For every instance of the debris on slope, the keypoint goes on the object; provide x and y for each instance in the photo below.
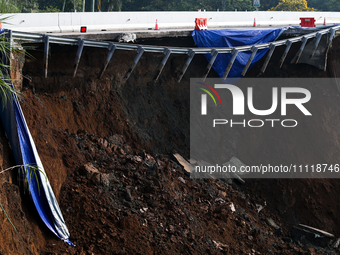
(120, 201)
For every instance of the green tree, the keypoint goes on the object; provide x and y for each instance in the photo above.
(14, 6)
(8, 6)
(28, 6)
(112, 5)
(325, 5)
(268, 4)
(60, 5)
(187, 5)
(242, 5)
(292, 5)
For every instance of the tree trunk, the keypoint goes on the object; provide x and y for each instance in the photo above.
(64, 6)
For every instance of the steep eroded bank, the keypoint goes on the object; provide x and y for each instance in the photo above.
(91, 135)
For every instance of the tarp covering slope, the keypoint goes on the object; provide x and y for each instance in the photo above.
(25, 153)
(232, 38)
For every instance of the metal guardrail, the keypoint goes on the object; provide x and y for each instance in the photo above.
(191, 52)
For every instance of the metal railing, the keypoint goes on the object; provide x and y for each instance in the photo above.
(191, 52)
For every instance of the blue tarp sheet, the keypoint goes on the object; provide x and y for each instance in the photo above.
(25, 153)
(232, 38)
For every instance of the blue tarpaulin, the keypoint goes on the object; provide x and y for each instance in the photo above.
(232, 38)
(25, 153)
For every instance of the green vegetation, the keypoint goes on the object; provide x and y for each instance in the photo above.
(12, 6)
(7, 6)
(300, 5)
(6, 91)
(292, 5)
(325, 5)
(124, 5)
(30, 169)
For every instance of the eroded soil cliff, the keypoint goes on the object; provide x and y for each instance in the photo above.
(106, 146)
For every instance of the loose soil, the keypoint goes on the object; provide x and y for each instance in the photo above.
(107, 149)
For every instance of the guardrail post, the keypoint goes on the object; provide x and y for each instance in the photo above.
(214, 54)
(270, 54)
(231, 62)
(330, 38)
(167, 53)
(80, 50)
(254, 51)
(140, 52)
(318, 38)
(191, 54)
(298, 54)
(112, 49)
(46, 52)
(285, 53)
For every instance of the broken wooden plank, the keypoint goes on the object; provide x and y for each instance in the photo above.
(313, 235)
(182, 162)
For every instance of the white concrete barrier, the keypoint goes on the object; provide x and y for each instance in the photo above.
(101, 21)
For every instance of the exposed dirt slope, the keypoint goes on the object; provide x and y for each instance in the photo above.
(105, 146)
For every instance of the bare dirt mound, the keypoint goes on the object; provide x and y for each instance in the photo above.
(106, 147)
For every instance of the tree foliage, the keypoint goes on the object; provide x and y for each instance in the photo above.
(268, 4)
(60, 5)
(13, 6)
(325, 5)
(7, 6)
(188, 5)
(112, 5)
(125, 5)
(292, 5)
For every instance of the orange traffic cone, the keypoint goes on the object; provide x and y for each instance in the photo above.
(254, 23)
(156, 26)
(324, 21)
